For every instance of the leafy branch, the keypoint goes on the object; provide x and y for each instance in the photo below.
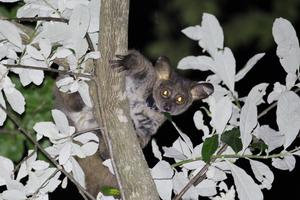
(45, 153)
(200, 176)
(65, 72)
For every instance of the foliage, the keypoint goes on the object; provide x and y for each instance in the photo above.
(66, 36)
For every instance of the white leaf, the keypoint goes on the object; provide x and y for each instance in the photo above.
(15, 99)
(216, 174)
(290, 80)
(202, 63)
(221, 116)
(65, 153)
(193, 32)
(155, 150)
(248, 121)
(287, 163)
(86, 137)
(212, 34)
(256, 94)
(55, 32)
(6, 170)
(40, 165)
(262, 173)
(271, 137)
(94, 7)
(64, 183)
(13, 195)
(288, 116)
(90, 148)
(2, 112)
(199, 122)
(78, 172)
(34, 53)
(297, 153)
(207, 188)
(247, 189)
(9, 1)
(61, 121)
(172, 152)
(225, 67)
(180, 181)
(47, 129)
(83, 90)
(195, 165)
(108, 164)
(186, 139)
(162, 170)
(288, 49)
(162, 174)
(11, 33)
(80, 20)
(92, 55)
(249, 65)
(45, 46)
(277, 91)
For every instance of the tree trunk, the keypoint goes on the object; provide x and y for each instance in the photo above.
(112, 110)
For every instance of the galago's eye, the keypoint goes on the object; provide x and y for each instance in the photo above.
(180, 100)
(165, 93)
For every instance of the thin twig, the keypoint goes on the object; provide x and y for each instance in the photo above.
(85, 131)
(35, 19)
(45, 153)
(48, 70)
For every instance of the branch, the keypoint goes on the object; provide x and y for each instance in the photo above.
(49, 70)
(85, 131)
(45, 153)
(131, 169)
(48, 19)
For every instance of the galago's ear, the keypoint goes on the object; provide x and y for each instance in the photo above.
(201, 90)
(163, 68)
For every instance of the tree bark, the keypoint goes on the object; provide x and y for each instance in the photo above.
(112, 110)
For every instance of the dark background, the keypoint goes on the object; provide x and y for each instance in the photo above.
(155, 29)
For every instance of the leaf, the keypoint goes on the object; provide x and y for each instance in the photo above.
(288, 49)
(288, 116)
(207, 188)
(247, 189)
(15, 99)
(259, 145)
(248, 121)
(83, 90)
(273, 139)
(155, 150)
(212, 34)
(199, 122)
(179, 181)
(45, 47)
(262, 173)
(9, 31)
(65, 153)
(249, 65)
(193, 32)
(287, 163)
(202, 63)
(110, 191)
(61, 121)
(34, 53)
(162, 174)
(225, 67)
(256, 94)
(90, 148)
(232, 139)
(13, 195)
(108, 164)
(6, 170)
(222, 113)
(80, 20)
(78, 172)
(9, 1)
(278, 89)
(86, 137)
(210, 146)
(2, 112)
